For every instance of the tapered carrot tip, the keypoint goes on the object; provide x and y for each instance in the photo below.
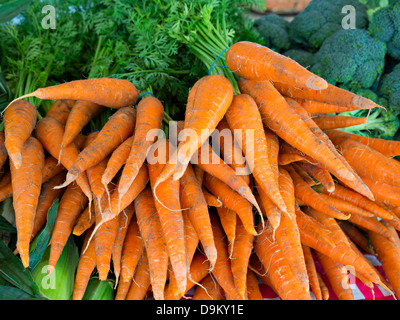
(69, 178)
(331, 188)
(103, 272)
(24, 258)
(316, 83)
(16, 159)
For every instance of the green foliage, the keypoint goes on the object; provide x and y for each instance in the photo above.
(389, 87)
(351, 59)
(321, 19)
(303, 57)
(385, 25)
(274, 30)
(99, 290)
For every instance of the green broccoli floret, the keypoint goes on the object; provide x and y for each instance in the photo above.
(322, 18)
(274, 30)
(301, 56)
(385, 25)
(389, 87)
(351, 59)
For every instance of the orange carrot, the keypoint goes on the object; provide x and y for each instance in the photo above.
(211, 200)
(72, 203)
(153, 239)
(384, 192)
(331, 95)
(3, 151)
(19, 122)
(123, 223)
(131, 251)
(271, 210)
(312, 198)
(26, 185)
(257, 267)
(117, 159)
(211, 99)
(253, 289)
(83, 222)
(243, 115)
(228, 219)
(320, 174)
(232, 200)
(6, 191)
(329, 122)
(286, 123)
(60, 110)
(118, 128)
(222, 270)
(109, 92)
(388, 254)
(241, 250)
(312, 272)
(209, 289)
(372, 224)
(356, 236)
(337, 276)
(273, 147)
(192, 197)
(388, 148)
(324, 288)
(86, 265)
(150, 112)
(345, 206)
(141, 280)
(51, 168)
(46, 199)
(122, 290)
(304, 175)
(253, 61)
(316, 107)
(50, 132)
(288, 158)
(80, 115)
(284, 281)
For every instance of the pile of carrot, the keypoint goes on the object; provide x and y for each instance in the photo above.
(212, 212)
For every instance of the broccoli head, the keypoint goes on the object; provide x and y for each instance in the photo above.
(389, 87)
(351, 59)
(274, 31)
(301, 56)
(322, 18)
(385, 25)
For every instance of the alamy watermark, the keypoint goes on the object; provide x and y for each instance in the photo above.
(349, 20)
(49, 20)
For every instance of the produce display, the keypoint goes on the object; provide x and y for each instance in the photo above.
(177, 150)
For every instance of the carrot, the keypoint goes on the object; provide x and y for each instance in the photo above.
(46, 199)
(122, 290)
(131, 251)
(312, 272)
(341, 192)
(123, 223)
(384, 192)
(241, 250)
(257, 267)
(83, 222)
(211, 200)
(253, 61)
(337, 276)
(72, 203)
(253, 289)
(329, 122)
(288, 158)
(273, 147)
(26, 185)
(6, 191)
(19, 121)
(50, 132)
(198, 271)
(388, 254)
(388, 148)
(80, 115)
(287, 124)
(345, 206)
(356, 236)
(222, 270)
(210, 162)
(312, 198)
(324, 288)
(150, 112)
(372, 224)
(60, 110)
(3, 151)
(109, 92)
(272, 212)
(211, 99)
(86, 265)
(284, 281)
(117, 159)
(232, 200)
(316, 107)
(228, 219)
(304, 175)
(287, 233)
(243, 115)
(141, 280)
(192, 197)
(322, 175)
(153, 240)
(209, 289)
(117, 129)
(331, 95)
(369, 162)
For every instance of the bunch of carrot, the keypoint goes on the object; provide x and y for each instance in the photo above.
(209, 209)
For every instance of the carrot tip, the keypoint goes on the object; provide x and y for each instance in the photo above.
(316, 83)
(16, 159)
